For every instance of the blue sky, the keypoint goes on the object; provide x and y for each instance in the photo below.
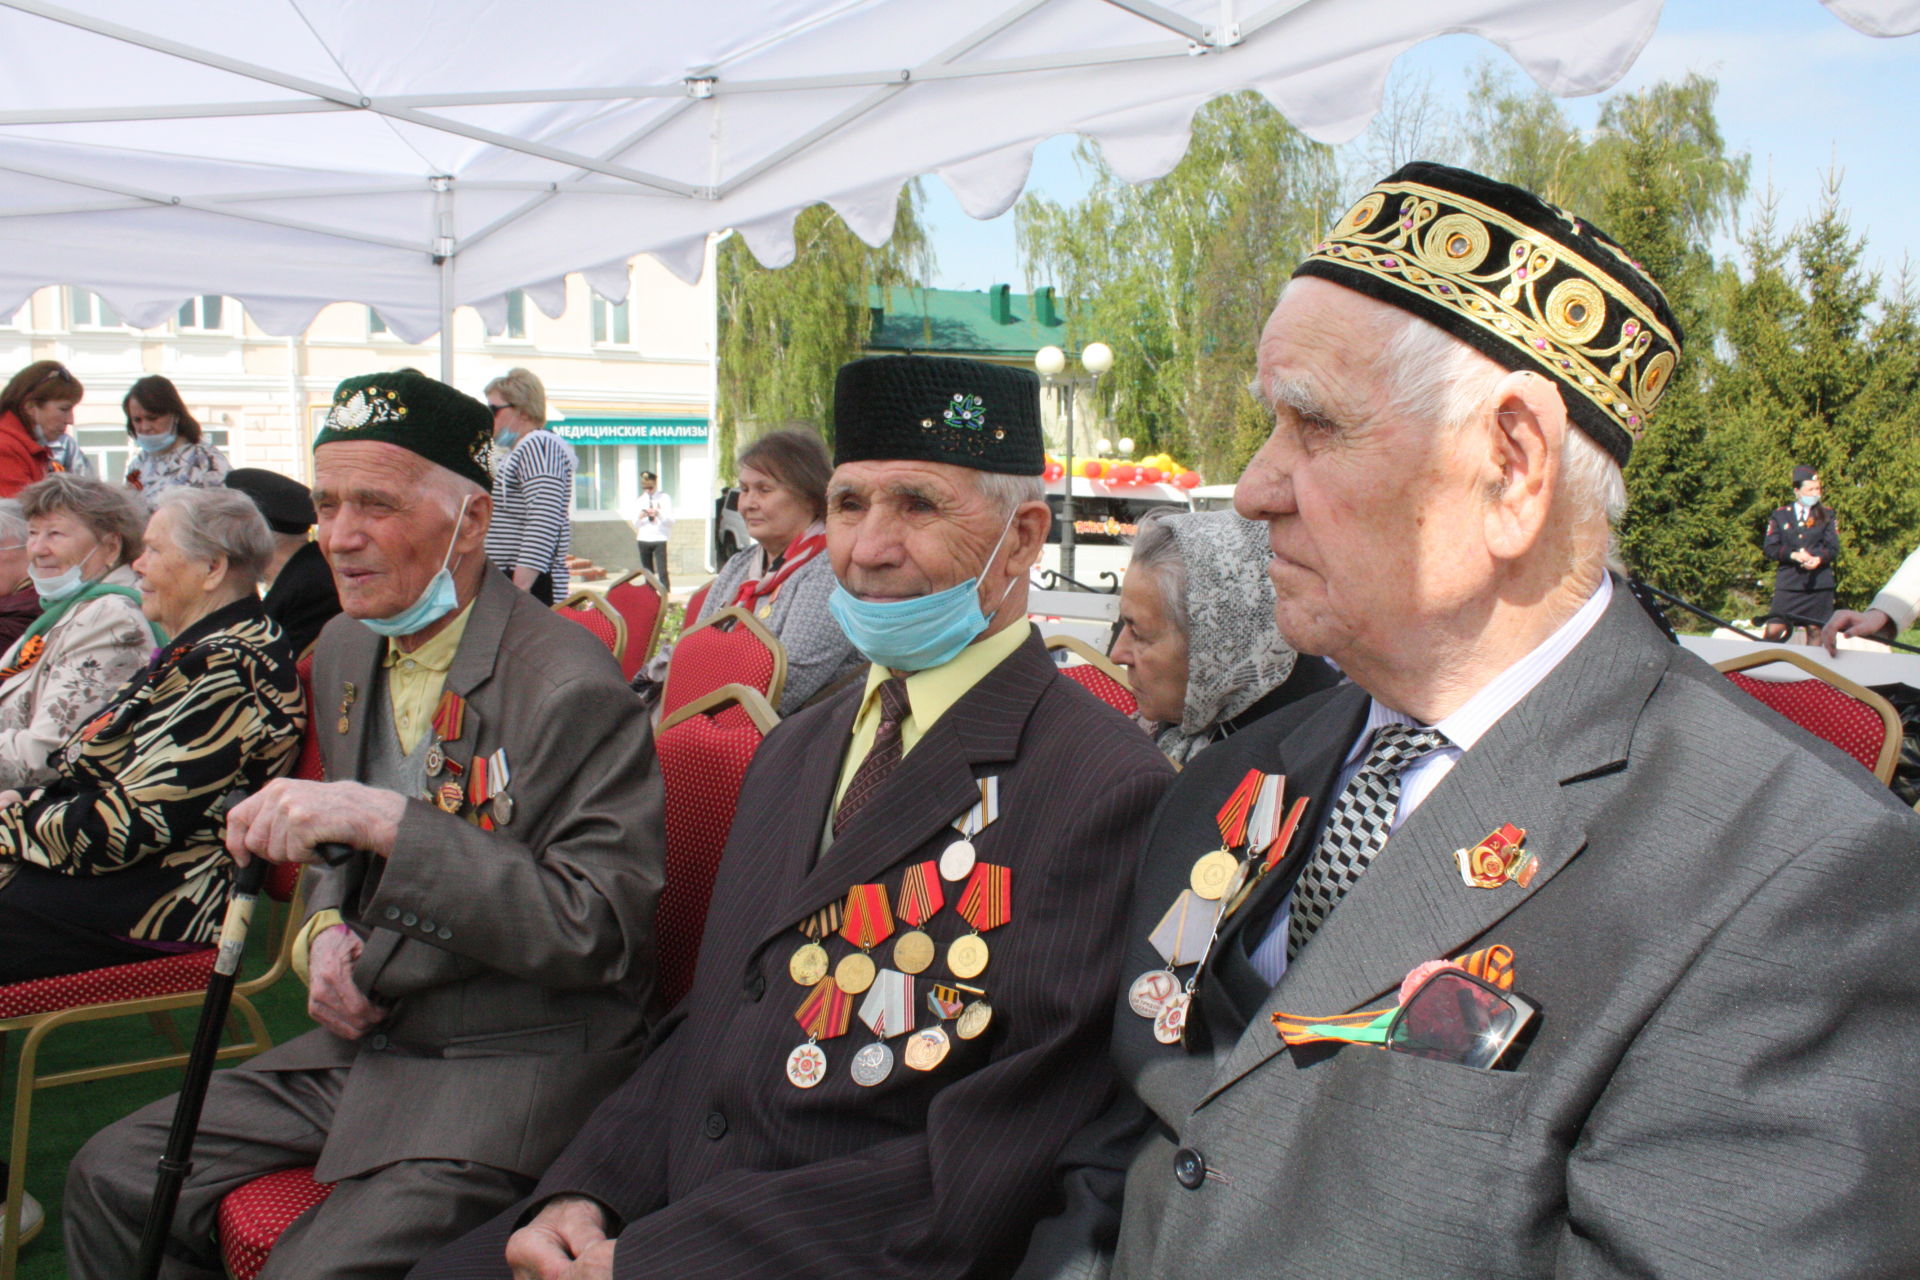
(1800, 92)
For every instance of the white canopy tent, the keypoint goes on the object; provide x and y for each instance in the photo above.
(416, 155)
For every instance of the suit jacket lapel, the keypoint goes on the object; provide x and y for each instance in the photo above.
(1411, 904)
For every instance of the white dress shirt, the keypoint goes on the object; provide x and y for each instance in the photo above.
(1463, 729)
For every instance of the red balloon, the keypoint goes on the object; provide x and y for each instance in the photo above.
(1125, 473)
(1150, 475)
(1053, 472)
(1187, 480)
(1095, 470)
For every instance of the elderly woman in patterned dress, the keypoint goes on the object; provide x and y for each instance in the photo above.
(120, 857)
(1197, 634)
(90, 636)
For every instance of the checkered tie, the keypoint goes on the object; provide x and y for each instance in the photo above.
(881, 757)
(1361, 820)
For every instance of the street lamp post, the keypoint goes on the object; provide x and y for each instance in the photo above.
(1051, 362)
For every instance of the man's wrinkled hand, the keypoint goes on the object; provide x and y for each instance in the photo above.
(567, 1240)
(284, 820)
(333, 999)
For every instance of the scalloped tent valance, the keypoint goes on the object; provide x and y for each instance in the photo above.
(415, 154)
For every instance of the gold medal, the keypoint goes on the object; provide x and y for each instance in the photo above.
(854, 973)
(450, 796)
(346, 701)
(1212, 874)
(808, 965)
(973, 1020)
(926, 1049)
(913, 952)
(967, 957)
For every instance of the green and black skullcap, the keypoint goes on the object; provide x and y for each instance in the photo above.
(933, 409)
(420, 414)
(1530, 286)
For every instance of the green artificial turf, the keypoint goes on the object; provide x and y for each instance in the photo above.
(66, 1117)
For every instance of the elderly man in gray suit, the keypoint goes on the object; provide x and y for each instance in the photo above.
(481, 967)
(1631, 989)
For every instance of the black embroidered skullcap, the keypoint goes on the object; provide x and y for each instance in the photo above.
(1530, 286)
(285, 502)
(933, 409)
(420, 414)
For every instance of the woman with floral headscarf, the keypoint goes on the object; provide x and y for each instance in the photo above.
(1197, 632)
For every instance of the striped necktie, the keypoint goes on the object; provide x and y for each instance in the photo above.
(881, 757)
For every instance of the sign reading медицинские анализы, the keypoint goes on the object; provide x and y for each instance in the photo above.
(631, 428)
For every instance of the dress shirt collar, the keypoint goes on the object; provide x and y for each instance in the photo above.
(437, 653)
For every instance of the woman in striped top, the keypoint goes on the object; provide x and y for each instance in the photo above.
(532, 529)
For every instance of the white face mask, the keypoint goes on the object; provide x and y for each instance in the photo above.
(52, 588)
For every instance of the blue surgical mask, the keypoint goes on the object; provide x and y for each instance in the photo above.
(1805, 500)
(918, 634)
(506, 439)
(52, 588)
(436, 602)
(160, 443)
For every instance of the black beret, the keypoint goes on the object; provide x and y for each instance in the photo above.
(930, 409)
(407, 408)
(285, 502)
(1530, 286)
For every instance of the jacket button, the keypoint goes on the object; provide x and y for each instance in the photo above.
(756, 987)
(1189, 1168)
(409, 919)
(393, 913)
(716, 1125)
(428, 926)
(445, 933)
(378, 1040)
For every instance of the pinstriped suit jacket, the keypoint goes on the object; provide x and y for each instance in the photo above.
(1721, 938)
(717, 1166)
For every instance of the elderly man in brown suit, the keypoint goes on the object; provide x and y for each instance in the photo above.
(901, 1005)
(481, 967)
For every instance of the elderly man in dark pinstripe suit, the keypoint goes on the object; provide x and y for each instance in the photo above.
(903, 995)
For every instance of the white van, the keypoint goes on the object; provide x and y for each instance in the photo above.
(1213, 497)
(1105, 518)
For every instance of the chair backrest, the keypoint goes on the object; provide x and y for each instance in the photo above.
(638, 599)
(1826, 704)
(704, 749)
(597, 616)
(694, 601)
(730, 647)
(1096, 672)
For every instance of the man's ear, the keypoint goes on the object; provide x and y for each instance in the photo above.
(1526, 440)
(473, 525)
(1028, 536)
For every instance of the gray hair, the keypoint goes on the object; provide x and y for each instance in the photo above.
(217, 524)
(1157, 551)
(1005, 493)
(105, 510)
(13, 523)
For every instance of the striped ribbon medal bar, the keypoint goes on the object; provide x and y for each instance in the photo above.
(921, 898)
(957, 862)
(986, 903)
(888, 1011)
(825, 1013)
(809, 964)
(449, 719)
(868, 924)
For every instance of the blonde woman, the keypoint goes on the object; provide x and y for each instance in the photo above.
(532, 529)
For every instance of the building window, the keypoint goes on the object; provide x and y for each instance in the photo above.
(202, 313)
(88, 310)
(516, 313)
(610, 327)
(375, 325)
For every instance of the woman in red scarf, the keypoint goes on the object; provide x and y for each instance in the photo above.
(36, 405)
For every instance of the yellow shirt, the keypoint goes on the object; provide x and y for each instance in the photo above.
(930, 694)
(415, 678)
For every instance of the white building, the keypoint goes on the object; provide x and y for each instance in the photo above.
(629, 385)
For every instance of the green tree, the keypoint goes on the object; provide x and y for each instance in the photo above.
(784, 331)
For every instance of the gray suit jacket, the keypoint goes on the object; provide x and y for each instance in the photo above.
(518, 961)
(1721, 939)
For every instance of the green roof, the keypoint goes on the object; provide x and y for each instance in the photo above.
(996, 322)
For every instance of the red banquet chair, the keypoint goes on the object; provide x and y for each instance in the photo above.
(1826, 704)
(1099, 674)
(638, 599)
(730, 647)
(599, 617)
(704, 749)
(694, 601)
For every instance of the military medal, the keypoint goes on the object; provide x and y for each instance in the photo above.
(926, 1048)
(868, 923)
(872, 1064)
(346, 701)
(1170, 1024)
(929, 1046)
(986, 903)
(825, 1013)
(478, 790)
(956, 864)
(920, 900)
(1151, 991)
(973, 1019)
(448, 797)
(498, 776)
(1182, 937)
(449, 718)
(1212, 873)
(809, 964)
(1500, 858)
(888, 1010)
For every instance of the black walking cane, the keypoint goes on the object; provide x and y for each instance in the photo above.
(177, 1163)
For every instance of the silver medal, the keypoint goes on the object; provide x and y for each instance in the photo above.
(872, 1064)
(1151, 991)
(957, 862)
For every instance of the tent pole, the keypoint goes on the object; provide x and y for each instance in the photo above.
(444, 249)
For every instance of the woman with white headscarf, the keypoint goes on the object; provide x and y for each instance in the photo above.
(1197, 632)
